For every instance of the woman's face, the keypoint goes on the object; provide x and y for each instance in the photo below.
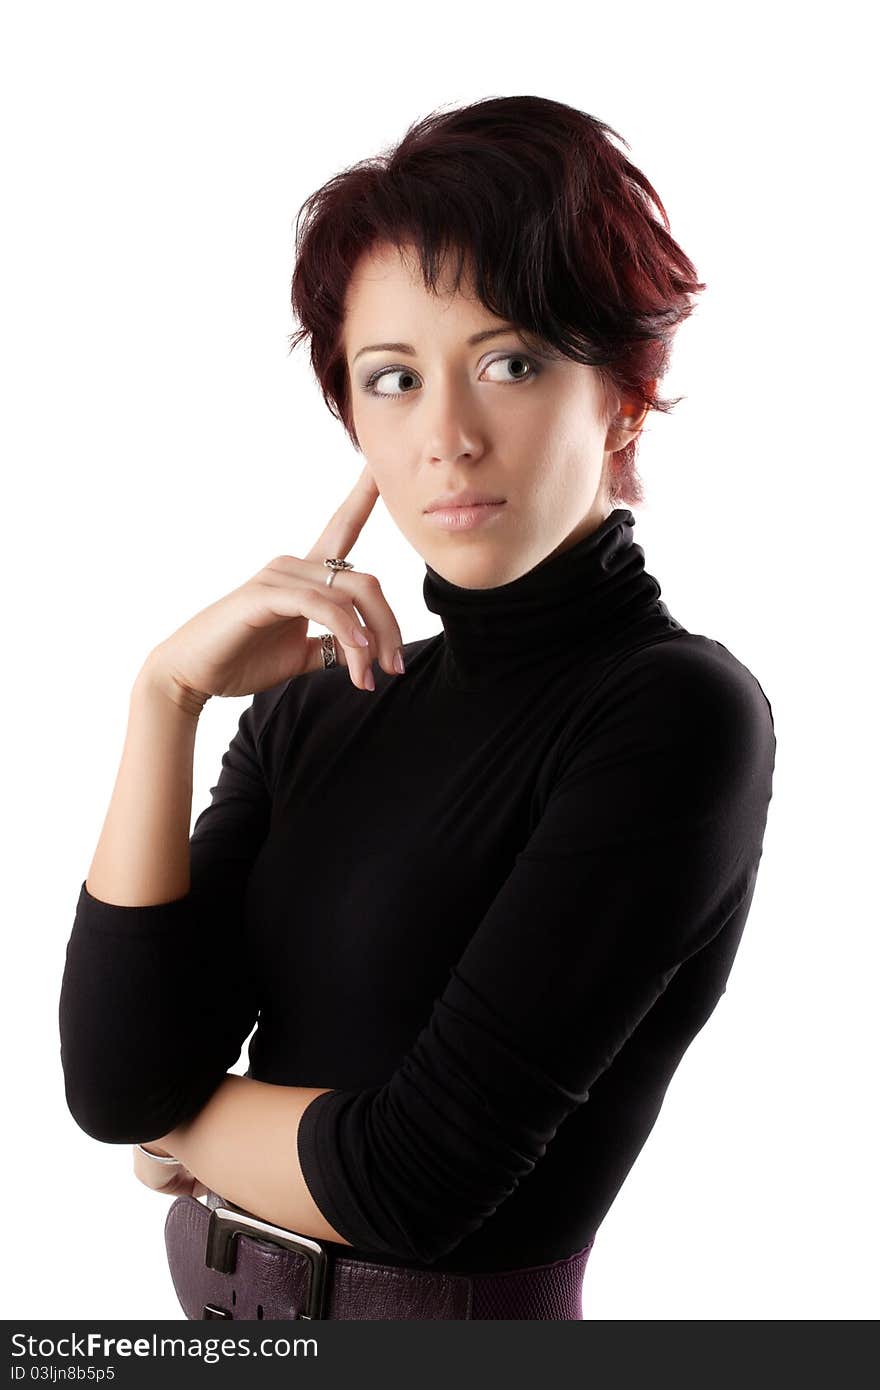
(492, 416)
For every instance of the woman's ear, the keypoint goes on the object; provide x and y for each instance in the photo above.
(627, 422)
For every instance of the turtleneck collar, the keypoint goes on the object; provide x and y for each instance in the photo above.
(565, 609)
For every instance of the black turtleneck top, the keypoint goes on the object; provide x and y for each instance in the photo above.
(490, 904)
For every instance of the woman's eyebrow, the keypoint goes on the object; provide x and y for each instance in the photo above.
(408, 347)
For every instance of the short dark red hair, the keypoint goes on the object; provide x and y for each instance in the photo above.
(559, 230)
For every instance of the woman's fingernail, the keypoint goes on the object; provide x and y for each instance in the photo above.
(399, 665)
(368, 679)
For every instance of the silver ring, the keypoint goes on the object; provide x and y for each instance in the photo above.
(157, 1158)
(333, 566)
(328, 650)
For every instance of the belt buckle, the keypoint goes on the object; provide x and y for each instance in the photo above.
(227, 1223)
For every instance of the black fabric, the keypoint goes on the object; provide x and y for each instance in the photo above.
(489, 904)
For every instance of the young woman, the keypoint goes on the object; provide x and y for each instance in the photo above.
(478, 900)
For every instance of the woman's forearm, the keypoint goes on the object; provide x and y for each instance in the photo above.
(142, 856)
(243, 1145)
(243, 1142)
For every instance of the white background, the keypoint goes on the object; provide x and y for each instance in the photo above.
(160, 446)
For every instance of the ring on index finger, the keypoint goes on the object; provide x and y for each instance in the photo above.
(333, 566)
(328, 643)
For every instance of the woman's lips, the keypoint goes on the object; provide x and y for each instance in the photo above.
(464, 518)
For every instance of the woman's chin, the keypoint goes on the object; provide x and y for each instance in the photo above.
(475, 567)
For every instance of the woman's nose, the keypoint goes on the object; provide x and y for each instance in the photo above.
(451, 422)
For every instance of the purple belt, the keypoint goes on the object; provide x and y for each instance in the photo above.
(226, 1263)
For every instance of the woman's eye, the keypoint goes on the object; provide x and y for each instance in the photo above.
(515, 360)
(520, 367)
(403, 372)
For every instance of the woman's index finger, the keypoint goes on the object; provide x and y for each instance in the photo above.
(347, 522)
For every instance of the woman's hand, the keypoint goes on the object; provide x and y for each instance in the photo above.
(255, 637)
(162, 1177)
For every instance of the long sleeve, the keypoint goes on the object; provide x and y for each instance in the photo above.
(646, 842)
(157, 1001)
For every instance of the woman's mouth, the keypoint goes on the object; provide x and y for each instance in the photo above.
(465, 518)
